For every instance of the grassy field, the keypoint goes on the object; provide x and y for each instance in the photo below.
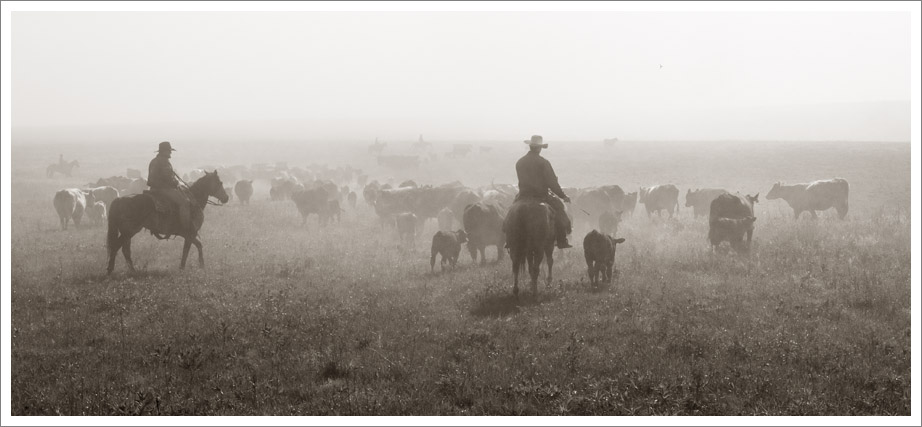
(291, 320)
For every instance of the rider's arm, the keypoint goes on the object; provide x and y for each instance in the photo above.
(551, 178)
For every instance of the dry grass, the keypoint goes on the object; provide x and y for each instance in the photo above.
(336, 321)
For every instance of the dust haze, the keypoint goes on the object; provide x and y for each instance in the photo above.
(308, 76)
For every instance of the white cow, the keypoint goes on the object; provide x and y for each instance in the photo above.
(70, 204)
(97, 212)
(105, 194)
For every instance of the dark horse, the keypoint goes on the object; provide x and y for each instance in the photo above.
(131, 213)
(65, 169)
(529, 231)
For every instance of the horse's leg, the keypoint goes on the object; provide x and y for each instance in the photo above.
(113, 252)
(201, 256)
(516, 263)
(126, 251)
(534, 266)
(589, 271)
(550, 265)
(483, 255)
(187, 243)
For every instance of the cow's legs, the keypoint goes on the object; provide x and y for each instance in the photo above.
(842, 210)
(63, 220)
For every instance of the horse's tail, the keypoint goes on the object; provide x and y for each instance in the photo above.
(112, 235)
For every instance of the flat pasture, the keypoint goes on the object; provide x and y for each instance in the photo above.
(342, 320)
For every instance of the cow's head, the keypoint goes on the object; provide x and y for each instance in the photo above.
(753, 199)
(89, 196)
(775, 192)
(690, 197)
(462, 236)
(642, 194)
(748, 222)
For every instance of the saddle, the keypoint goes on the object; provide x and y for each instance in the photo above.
(167, 214)
(519, 200)
(161, 203)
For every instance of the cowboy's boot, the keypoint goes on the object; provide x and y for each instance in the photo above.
(562, 240)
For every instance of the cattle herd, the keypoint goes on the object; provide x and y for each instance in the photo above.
(472, 216)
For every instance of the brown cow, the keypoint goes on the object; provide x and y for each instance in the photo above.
(484, 226)
(244, 190)
(731, 218)
(313, 201)
(448, 245)
(700, 200)
(629, 203)
(406, 227)
(599, 250)
(812, 197)
(660, 197)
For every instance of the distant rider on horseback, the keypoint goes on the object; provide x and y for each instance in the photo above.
(536, 177)
(162, 181)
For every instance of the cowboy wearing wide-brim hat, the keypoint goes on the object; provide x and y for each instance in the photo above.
(162, 181)
(536, 178)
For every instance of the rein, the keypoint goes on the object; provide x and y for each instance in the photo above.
(207, 197)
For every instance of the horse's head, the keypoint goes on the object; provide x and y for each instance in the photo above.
(212, 186)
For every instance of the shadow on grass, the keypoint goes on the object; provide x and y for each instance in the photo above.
(505, 304)
(100, 277)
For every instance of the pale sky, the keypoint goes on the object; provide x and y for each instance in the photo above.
(470, 75)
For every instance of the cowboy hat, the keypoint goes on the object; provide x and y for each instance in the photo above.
(536, 141)
(165, 146)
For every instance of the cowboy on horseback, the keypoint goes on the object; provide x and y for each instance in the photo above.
(536, 178)
(162, 181)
